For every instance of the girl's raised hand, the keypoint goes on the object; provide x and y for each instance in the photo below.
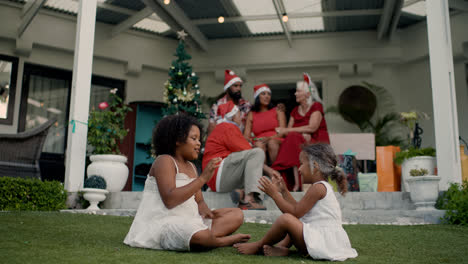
(268, 187)
(279, 182)
(209, 169)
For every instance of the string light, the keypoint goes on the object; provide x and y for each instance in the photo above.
(285, 17)
(221, 19)
(166, 2)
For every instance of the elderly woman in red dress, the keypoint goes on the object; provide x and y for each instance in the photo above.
(262, 121)
(306, 125)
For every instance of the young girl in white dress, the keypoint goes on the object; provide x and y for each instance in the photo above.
(313, 224)
(172, 214)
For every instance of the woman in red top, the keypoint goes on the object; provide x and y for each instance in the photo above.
(306, 124)
(262, 121)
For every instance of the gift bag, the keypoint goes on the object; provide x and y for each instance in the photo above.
(349, 165)
(367, 182)
(388, 173)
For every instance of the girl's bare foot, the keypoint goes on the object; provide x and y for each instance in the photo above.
(275, 251)
(248, 248)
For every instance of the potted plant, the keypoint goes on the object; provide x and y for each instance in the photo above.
(424, 188)
(94, 191)
(105, 131)
(414, 157)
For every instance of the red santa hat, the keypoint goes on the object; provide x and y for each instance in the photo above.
(312, 88)
(258, 89)
(230, 78)
(227, 111)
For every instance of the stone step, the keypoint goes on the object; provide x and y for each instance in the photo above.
(352, 200)
(371, 217)
(379, 217)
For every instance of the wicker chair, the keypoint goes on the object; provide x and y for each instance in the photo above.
(19, 153)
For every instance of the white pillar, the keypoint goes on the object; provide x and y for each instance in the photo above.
(81, 88)
(443, 92)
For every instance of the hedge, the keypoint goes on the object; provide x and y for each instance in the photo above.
(31, 195)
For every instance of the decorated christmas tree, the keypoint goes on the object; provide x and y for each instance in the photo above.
(182, 92)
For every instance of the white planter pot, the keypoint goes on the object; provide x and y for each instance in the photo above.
(420, 162)
(424, 191)
(94, 196)
(112, 168)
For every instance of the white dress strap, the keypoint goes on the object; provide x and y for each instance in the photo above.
(175, 163)
(194, 169)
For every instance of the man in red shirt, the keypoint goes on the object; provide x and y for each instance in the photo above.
(242, 165)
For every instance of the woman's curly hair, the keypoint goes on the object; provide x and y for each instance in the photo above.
(172, 129)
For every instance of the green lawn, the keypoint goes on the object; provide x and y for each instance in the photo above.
(51, 237)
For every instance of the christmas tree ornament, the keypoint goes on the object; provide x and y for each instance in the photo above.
(170, 87)
(174, 100)
(181, 35)
(179, 73)
(197, 92)
(196, 86)
(185, 92)
(193, 74)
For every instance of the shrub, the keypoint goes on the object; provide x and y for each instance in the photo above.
(106, 125)
(31, 195)
(95, 181)
(413, 152)
(455, 202)
(420, 172)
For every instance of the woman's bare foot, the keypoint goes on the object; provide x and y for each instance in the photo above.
(275, 251)
(248, 248)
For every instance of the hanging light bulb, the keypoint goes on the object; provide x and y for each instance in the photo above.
(221, 19)
(285, 17)
(166, 2)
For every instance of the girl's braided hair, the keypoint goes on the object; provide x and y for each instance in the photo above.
(325, 157)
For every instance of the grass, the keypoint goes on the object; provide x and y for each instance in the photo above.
(51, 237)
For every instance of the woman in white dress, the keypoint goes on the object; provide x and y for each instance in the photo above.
(172, 214)
(313, 224)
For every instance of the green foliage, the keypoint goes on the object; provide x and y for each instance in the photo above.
(106, 126)
(420, 172)
(381, 129)
(455, 202)
(380, 126)
(95, 181)
(182, 92)
(31, 194)
(413, 152)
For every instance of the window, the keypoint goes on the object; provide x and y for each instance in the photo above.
(46, 95)
(8, 72)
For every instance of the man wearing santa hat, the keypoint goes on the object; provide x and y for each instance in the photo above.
(242, 165)
(232, 93)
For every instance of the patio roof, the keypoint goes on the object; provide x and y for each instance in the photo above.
(216, 19)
